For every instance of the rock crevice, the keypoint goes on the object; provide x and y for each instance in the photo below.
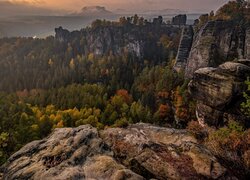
(140, 151)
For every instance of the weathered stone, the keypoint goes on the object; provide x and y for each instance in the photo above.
(208, 115)
(132, 39)
(247, 43)
(105, 167)
(66, 154)
(244, 61)
(138, 152)
(184, 48)
(219, 91)
(212, 40)
(62, 35)
(235, 69)
(180, 20)
(162, 153)
(217, 42)
(212, 88)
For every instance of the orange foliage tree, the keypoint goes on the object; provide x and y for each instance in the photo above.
(125, 95)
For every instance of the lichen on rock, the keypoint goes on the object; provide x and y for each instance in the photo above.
(140, 151)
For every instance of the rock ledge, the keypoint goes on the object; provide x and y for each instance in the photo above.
(140, 151)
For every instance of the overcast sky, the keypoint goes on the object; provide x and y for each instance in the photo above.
(131, 5)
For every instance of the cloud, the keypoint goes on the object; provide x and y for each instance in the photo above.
(45, 6)
(17, 8)
(31, 2)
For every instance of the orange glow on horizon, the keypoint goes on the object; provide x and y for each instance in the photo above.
(128, 4)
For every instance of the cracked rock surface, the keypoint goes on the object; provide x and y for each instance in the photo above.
(140, 151)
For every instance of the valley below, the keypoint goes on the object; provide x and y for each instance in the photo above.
(43, 26)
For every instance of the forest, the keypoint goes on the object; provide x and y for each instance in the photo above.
(49, 84)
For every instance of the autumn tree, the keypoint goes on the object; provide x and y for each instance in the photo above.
(233, 10)
(125, 95)
(246, 105)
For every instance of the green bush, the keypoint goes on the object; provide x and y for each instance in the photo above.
(246, 105)
(4, 138)
(231, 144)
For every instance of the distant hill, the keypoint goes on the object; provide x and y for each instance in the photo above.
(165, 12)
(152, 12)
(93, 11)
(24, 23)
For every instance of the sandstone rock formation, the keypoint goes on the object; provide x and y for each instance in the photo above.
(180, 20)
(215, 43)
(212, 45)
(184, 48)
(162, 153)
(247, 43)
(67, 154)
(62, 34)
(218, 92)
(120, 40)
(139, 151)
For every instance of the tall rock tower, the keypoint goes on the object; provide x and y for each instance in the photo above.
(184, 48)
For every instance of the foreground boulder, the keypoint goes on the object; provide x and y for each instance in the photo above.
(218, 92)
(139, 151)
(162, 153)
(67, 153)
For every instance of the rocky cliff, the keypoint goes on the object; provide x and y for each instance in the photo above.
(180, 20)
(247, 43)
(218, 92)
(140, 151)
(141, 41)
(216, 42)
(184, 48)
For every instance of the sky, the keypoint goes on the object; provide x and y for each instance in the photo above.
(130, 5)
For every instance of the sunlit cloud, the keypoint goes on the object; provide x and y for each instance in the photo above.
(134, 5)
(31, 2)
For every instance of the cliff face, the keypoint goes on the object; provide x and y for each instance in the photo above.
(184, 47)
(247, 43)
(218, 92)
(180, 20)
(216, 42)
(139, 151)
(141, 41)
(216, 87)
